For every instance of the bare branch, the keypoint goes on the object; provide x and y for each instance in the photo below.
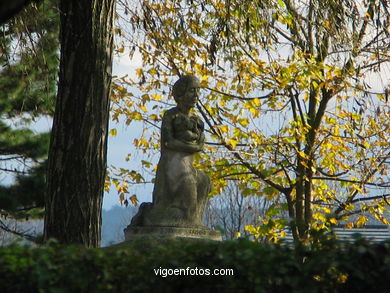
(361, 199)
(383, 185)
(246, 164)
(243, 98)
(4, 227)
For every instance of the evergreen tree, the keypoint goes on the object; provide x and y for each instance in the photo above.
(29, 49)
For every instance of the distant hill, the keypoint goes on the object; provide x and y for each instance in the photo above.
(114, 221)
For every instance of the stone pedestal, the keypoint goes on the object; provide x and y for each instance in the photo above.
(164, 232)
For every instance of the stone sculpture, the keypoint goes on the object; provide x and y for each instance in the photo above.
(180, 191)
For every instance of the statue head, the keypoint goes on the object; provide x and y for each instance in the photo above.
(186, 90)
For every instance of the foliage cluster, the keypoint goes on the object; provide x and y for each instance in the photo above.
(325, 267)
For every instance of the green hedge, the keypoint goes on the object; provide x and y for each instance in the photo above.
(329, 267)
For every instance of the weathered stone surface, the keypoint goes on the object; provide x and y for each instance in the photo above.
(180, 191)
(164, 232)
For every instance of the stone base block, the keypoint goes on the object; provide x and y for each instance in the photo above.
(137, 232)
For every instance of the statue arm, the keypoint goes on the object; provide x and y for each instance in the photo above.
(170, 142)
(201, 139)
(181, 146)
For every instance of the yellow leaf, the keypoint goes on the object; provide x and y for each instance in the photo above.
(153, 117)
(349, 225)
(366, 145)
(157, 97)
(303, 155)
(221, 83)
(319, 216)
(318, 278)
(244, 122)
(113, 132)
(256, 101)
(219, 4)
(145, 98)
(121, 89)
(342, 278)
(152, 71)
(252, 229)
(232, 142)
(137, 116)
(204, 83)
(139, 72)
(361, 221)
(146, 163)
(106, 187)
(304, 164)
(224, 128)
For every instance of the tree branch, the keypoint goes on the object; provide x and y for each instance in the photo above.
(28, 237)
(384, 185)
(243, 98)
(253, 169)
(383, 196)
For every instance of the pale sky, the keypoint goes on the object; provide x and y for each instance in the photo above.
(122, 144)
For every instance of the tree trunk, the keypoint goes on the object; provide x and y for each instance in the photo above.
(77, 156)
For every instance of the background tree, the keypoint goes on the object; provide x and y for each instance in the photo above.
(77, 156)
(29, 58)
(297, 103)
(230, 211)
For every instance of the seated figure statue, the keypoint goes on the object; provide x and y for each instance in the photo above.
(180, 191)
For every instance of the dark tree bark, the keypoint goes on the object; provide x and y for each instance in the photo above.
(77, 156)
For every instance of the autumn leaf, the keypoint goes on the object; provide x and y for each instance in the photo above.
(113, 132)
(134, 200)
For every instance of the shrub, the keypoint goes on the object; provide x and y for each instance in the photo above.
(327, 267)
